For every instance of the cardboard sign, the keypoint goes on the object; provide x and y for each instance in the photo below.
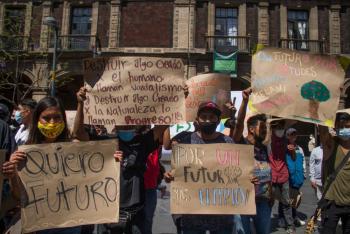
(212, 179)
(208, 87)
(2, 160)
(70, 116)
(70, 184)
(188, 126)
(296, 85)
(15, 228)
(134, 91)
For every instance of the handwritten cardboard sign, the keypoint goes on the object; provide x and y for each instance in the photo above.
(296, 85)
(208, 87)
(15, 228)
(134, 91)
(70, 184)
(70, 116)
(2, 160)
(212, 179)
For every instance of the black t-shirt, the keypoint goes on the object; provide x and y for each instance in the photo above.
(6, 139)
(133, 166)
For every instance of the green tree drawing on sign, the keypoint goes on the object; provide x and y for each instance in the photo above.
(315, 92)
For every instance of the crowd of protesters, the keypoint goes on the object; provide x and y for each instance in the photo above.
(279, 168)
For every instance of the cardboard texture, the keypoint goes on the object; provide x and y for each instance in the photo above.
(134, 91)
(296, 85)
(70, 116)
(70, 184)
(212, 179)
(208, 87)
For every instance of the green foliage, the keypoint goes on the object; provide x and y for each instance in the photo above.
(315, 90)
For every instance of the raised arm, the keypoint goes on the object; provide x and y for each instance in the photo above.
(158, 132)
(166, 139)
(79, 132)
(238, 131)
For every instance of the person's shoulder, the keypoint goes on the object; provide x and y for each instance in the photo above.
(4, 126)
(182, 136)
(3, 123)
(227, 139)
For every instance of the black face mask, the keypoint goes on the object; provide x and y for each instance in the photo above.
(207, 127)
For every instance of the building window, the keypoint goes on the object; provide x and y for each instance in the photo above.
(226, 25)
(298, 29)
(14, 23)
(14, 20)
(80, 28)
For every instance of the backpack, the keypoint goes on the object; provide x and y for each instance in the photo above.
(296, 169)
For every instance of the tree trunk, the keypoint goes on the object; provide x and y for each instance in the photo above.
(313, 109)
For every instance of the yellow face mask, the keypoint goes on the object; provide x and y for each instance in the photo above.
(51, 130)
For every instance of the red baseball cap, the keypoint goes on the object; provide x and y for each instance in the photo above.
(209, 105)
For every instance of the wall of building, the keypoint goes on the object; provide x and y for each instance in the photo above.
(146, 24)
(126, 27)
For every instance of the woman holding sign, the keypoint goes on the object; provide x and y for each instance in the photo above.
(49, 125)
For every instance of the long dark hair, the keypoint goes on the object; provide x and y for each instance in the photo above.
(35, 136)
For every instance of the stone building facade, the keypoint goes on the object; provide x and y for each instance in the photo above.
(187, 29)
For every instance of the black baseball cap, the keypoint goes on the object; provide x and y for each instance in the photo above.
(209, 105)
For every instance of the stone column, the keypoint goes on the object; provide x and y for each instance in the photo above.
(313, 30)
(2, 16)
(40, 70)
(313, 23)
(44, 34)
(27, 24)
(263, 23)
(211, 25)
(242, 25)
(283, 21)
(114, 24)
(65, 24)
(94, 22)
(242, 20)
(183, 24)
(334, 29)
(191, 69)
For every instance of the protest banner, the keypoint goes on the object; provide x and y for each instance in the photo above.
(212, 179)
(296, 85)
(188, 126)
(16, 228)
(134, 91)
(70, 116)
(70, 184)
(208, 87)
(2, 160)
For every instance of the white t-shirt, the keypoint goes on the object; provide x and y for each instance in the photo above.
(22, 135)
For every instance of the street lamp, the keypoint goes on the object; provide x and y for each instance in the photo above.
(52, 22)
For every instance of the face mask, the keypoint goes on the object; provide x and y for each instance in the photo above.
(126, 135)
(18, 117)
(51, 130)
(279, 133)
(344, 133)
(207, 127)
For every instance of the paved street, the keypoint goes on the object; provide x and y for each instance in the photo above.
(163, 222)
